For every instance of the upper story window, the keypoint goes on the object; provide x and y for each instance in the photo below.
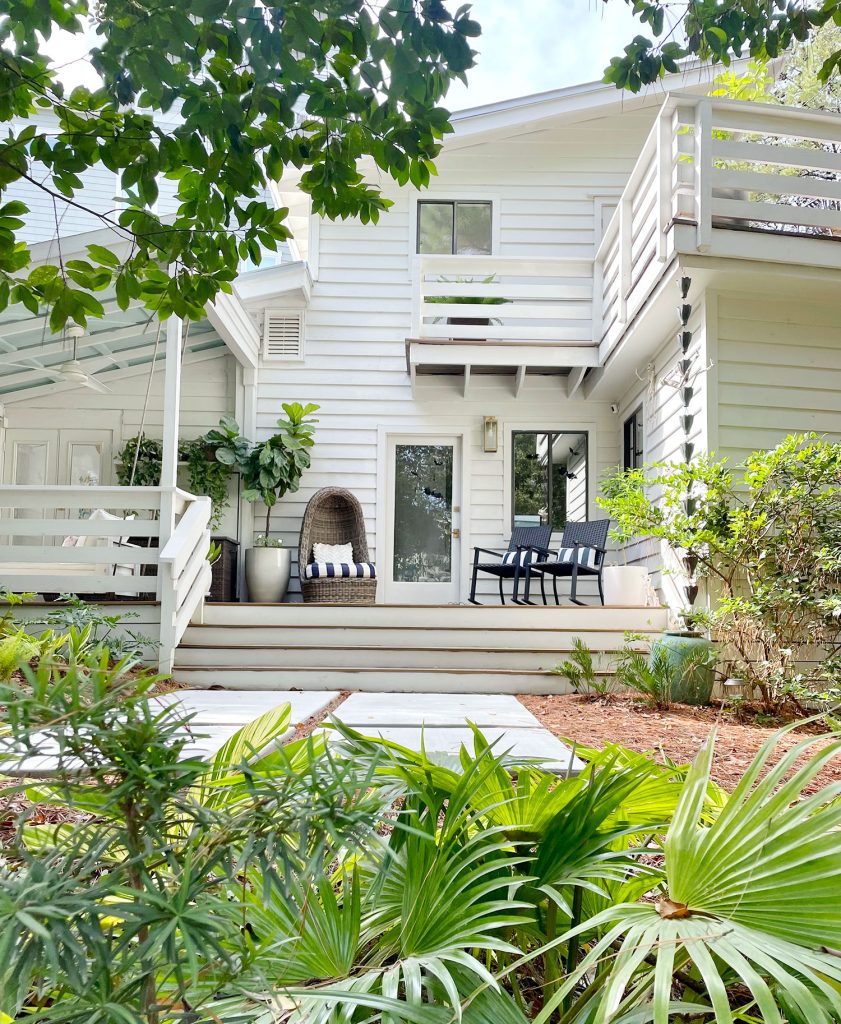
(632, 440)
(461, 227)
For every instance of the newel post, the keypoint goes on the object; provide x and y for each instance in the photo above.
(169, 473)
(665, 177)
(703, 173)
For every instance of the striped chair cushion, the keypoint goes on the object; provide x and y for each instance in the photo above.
(588, 558)
(512, 557)
(346, 570)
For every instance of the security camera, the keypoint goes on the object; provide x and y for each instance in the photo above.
(614, 408)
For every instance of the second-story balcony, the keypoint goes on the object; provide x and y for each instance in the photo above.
(716, 180)
(494, 314)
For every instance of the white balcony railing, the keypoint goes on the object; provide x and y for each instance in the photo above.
(493, 298)
(711, 165)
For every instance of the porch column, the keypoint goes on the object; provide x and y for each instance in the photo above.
(249, 429)
(169, 472)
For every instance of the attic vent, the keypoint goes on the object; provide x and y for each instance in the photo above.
(283, 335)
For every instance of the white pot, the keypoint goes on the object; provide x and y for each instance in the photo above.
(267, 574)
(625, 585)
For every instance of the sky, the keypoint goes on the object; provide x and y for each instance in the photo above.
(526, 46)
(530, 46)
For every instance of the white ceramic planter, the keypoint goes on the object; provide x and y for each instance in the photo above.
(625, 585)
(267, 574)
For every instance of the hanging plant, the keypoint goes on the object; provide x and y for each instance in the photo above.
(206, 475)
(139, 462)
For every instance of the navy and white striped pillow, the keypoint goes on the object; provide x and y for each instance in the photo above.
(340, 570)
(587, 558)
(513, 557)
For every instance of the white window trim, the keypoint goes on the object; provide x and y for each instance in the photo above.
(468, 195)
(599, 203)
(639, 398)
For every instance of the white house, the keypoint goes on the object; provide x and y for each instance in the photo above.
(576, 214)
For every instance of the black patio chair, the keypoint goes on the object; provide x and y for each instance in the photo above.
(525, 540)
(580, 553)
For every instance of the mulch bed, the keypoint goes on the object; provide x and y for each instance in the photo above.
(677, 733)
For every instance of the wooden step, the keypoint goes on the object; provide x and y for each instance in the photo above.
(567, 618)
(560, 641)
(397, 680)
(372, 656)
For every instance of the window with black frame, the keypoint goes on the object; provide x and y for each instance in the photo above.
(459, 227)
(632, 441)
(549, 477)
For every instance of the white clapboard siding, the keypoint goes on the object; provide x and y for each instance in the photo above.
(543, 186)
(663, 436)
(779, 371)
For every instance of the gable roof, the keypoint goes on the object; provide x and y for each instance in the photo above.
(580, 102)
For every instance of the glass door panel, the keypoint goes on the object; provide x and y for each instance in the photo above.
(423, 521)
(423, 513)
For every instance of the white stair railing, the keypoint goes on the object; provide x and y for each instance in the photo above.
(184, 574)
(48, 545)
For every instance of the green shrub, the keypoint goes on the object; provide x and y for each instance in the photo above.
(313, 883)
(767, 539)
(15, 650)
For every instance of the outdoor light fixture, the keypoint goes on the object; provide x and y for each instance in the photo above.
(490, 434)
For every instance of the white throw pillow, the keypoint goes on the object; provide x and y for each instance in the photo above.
(340, 553)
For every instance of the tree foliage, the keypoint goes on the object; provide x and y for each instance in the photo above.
(220, 97)
(718, 32)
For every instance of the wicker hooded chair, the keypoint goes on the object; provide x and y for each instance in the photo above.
(334, 516)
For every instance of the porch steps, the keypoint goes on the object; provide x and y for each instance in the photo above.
(399, 648)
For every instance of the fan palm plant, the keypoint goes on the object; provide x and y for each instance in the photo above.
(752, 903)
(335, 883)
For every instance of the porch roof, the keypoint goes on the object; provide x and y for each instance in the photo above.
(122, 342)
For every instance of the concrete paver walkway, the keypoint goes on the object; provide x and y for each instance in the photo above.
(439, 721)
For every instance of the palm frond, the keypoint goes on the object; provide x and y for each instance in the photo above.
(754, 898)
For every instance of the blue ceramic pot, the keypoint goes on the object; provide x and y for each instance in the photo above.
(691, 684)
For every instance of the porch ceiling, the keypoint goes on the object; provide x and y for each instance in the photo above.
(121, 343)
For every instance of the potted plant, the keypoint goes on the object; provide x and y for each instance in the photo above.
(270, 469)
(268, 565)
(469, 300)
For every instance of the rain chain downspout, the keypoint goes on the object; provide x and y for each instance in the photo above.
(686, 376)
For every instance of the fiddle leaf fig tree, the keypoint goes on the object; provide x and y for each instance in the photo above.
(273, 468)
(210, 101)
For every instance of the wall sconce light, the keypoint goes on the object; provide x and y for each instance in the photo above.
(490, 434)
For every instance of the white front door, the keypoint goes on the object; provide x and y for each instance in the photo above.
(423, 520)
